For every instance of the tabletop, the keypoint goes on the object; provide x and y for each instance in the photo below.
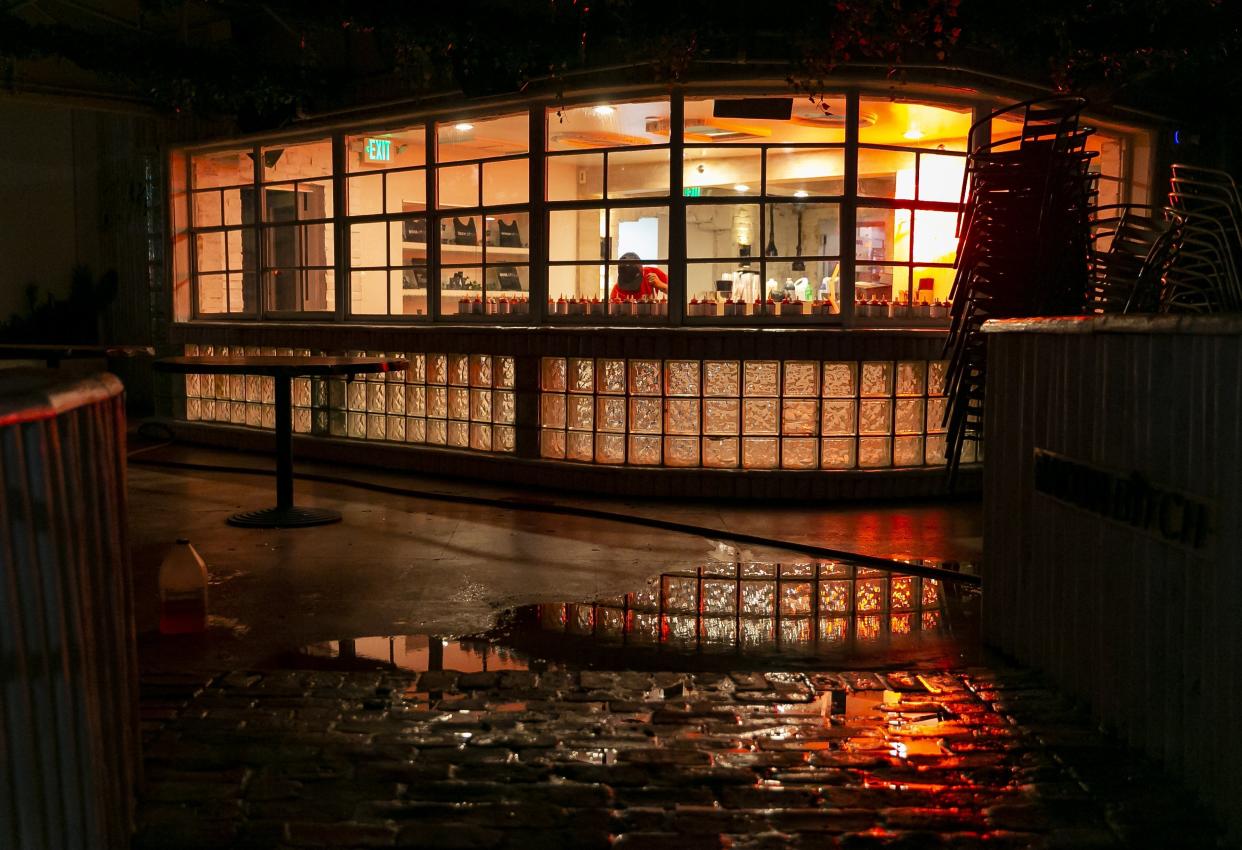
(40, 351)
(279, 366)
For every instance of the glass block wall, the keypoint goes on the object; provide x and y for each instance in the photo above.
(752, 414)
(463, 401)
(729, 607)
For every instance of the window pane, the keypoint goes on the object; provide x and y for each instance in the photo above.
(721, 171)
(764, 120)
(575, 234)
(817, 280)
(638, 174)
(206, 209)
(211, 293)
(407, 191)
(506, 182)
(459, 239)
(479, 139)
(407, 241)
(882, 234)
(507, 235)
(639, 230)
(932, 284)
(885, 174)
(408, 291)
(722, 230)
(798, 172)
(605, 125)
(238, 206)
(460, 290)
(507, 280)
(576, 177)
(227, 168)
(802, 230)
(302, 201)
(458, 186)
(368, 246)
(300, 291)
(915, 125)
(579, 281)
(241, 253)
(940, 178)
(713, 283)
(935, 239)
(209, 252)
(397, 149)
(310, 159)
(368, 295)
(880, 283)
(366, 194)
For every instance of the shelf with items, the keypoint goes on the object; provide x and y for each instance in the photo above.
(451, 253)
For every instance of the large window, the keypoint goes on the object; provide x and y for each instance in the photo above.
(222, 232)
(299, 237)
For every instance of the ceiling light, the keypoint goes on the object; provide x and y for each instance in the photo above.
(913, 133)
(601, 111)
(463, 127)
(801, 193)
(740, 187)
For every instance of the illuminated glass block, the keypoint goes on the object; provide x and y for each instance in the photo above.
(552, 410)
(719, 634)
(504, 439)
(237, 387)
(759, 452)
(190, 350)
(193, 409)
(458, 403)
(415, 430)
(934, 450)
(610, 448)
(869, 627)
(415, 401)
(338, 423)
(268, 416)
(721, 378)
(481, 370)
(480, 405)
(552, 443)
(645, 415)
(721, 452)
(377, 427)
(319, 392)
(834, 596)
(681, 451)
(870, 595)
(875, 416)
(644, 451)
(504, 407)
(758, 599)
(801, 378)
(833, 630)
(838, 418)
(682, 377)
(836, 453)
(437, 369)
(254, 388)
(191, 386)
(267, 389)
(224, 410)
(840, 379)
(681, 416)
(931, 593)
(935, 415)
(719, 597)
(681, 595)
(437, 402)
(900, 624)
(610, 414)
(395, 428)
(937, 374)
(458, 434)
(356, 396)
(377, 398)
(877, 379)
(237, 412)
(580, 445)
(395, 395)
(761, 378)
(397, 376)
(417, 373)
(969, 451)
(357, 425)
(760, 415)
(301, 392)
(911, 377)
(799, 417)
(506, 372)
(553, 374)
(797, 598)
(721, 416)
(902, 590)
(581, 412)
(799, 453)
(907, 451)
(581, 375)
(908, 416)
(874, 452)
(480, 436)
(610, 377)
(459, 370)
(645, 377)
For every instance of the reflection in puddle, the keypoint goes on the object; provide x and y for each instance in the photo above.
(417, 653)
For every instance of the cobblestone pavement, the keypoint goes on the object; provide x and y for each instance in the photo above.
(971, 758)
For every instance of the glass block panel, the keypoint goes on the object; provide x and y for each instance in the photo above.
(799, 453)
(838, 417)
(459, 370)
(907, 451)
(553, 371)
(504, 407)
(645, 377)
(644, 451)
(875, 416)
(610, 448)
(801, 378)
(458, 434)
(480, 436)
(759, 416)
(377, 426)
(395, 395)
(721, 416)
(356, 395)
(877, 378)
(458, 403)
(580, 445)
(581, 412)
(645, 415)
(504, 439)
(395, 428)
(840, 379)
(437, 402)
(931, 593)
(799, 416)
(552, 410)
(721, 378)
(902, 590)
(937, 371)
(437, 369)
(911, 377)
(908, 416)
(506, 372)
(481, 405)
(719, 597)
(796, 598)
(356, 425)
(377, 398)
(480, 370)
(758, 598)
(935, 414)
(874, 451)
(415, 430)
(610, 414)
(610, 377)
(721, 452)
(934, 450)
(834, 596)
(681, 378)
(681, 451)
(870, 595)
(761, 378)
(415, 400)
(759, 452)
(837, 453)
(681, 416)
(581, 375)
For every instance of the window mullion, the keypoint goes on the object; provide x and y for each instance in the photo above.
(849, 209)
(433, 223)
(677, 283)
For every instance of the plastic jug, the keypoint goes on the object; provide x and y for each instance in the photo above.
(183, 591)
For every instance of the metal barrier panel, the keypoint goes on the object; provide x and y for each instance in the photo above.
(68, 710)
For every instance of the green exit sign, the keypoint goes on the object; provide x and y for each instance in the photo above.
(377, 150)
(692, 191)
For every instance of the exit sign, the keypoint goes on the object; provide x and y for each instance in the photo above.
(692, 191)
(377, 150)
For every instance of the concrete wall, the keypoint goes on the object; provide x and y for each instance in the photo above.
(1099, 577)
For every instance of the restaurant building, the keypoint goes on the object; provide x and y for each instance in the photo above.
(791, 261)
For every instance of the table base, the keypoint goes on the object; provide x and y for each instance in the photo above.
(291, 517)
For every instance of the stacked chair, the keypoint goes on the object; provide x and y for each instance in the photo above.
(1132, 247)
(1025, 244)
(1203, 277)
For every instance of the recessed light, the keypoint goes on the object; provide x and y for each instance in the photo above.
(601, 111)
(913, 133)
(740, 187)
(463, 127)
(801, 193)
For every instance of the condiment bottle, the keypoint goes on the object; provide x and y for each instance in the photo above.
(183, 591)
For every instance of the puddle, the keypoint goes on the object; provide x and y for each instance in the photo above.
(751, 615)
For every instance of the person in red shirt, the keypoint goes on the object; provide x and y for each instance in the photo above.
(634, 280)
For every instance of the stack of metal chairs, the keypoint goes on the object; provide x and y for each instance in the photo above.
(1203, 276)
(1132, 248)
(1024, 247)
